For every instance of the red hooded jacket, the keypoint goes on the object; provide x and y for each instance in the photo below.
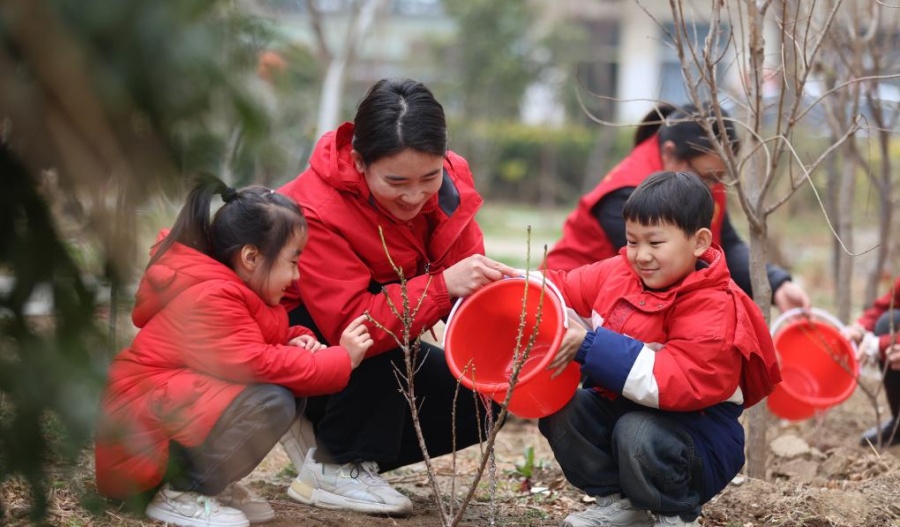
(583, 239)
(204, 336)
(344, 265)
(890, 300)
(716, 346)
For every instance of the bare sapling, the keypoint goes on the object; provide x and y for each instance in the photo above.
(452, 511)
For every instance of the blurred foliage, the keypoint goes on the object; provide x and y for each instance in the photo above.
(510, 158)
(104, 106)
(491, 59)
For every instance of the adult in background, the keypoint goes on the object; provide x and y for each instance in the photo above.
(386, 174)
(670, 139)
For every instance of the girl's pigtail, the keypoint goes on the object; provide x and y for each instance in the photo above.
(192, 226)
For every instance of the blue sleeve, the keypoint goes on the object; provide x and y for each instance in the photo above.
(607, 358)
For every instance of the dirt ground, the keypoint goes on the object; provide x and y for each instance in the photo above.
(818, 476)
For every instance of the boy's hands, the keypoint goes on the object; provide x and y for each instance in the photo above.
(357, 340)
(307, 342)
(567, 349)
(471, 274)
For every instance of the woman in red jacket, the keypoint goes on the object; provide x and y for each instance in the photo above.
(669, 139)
(384, 193)
(212, 378)
(882, 319)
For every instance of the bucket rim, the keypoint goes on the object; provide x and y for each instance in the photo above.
(556, 301)
(817, 401)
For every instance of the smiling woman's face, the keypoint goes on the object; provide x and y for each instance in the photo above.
(403, 183)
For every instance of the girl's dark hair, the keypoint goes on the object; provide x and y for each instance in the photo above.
(396, 115)
(681, 126)
(250, 216)
(678, 198)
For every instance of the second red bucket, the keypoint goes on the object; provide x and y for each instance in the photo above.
(480, 341)
(818, 365)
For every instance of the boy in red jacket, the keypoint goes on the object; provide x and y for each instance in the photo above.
(675, 353)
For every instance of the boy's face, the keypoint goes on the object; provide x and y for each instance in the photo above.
(662, 255)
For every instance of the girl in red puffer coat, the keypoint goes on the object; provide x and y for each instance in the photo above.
(215, 375)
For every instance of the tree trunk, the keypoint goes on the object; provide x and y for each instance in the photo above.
(844, 228)
(336, 72)
(885, 219)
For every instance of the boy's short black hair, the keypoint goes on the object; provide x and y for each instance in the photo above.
(679, 198)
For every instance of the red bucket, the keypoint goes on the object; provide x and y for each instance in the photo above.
(818, 365)
(480, 341)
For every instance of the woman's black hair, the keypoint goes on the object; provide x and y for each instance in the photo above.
(678, 198)
(681, 126)
(396, 115)
(250, 216)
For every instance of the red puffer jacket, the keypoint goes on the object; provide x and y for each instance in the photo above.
(888, 301)
(714, 338)
(344, 266)
(204, 336)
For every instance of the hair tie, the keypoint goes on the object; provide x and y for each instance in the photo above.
(228, 194)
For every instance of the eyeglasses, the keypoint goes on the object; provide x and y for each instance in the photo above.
(710, 177)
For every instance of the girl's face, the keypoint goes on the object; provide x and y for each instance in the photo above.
(404, 182)
(270, 284)
(662, 255)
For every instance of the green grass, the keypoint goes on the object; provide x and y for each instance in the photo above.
(506, 236)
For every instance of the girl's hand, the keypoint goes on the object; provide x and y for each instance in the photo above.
(567, 349)
(357, 340)
(307, 342)
(471, 274)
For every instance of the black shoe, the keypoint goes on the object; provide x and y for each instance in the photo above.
(885, 430)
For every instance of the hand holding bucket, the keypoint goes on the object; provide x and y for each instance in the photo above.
(818, 364)
(480, 344)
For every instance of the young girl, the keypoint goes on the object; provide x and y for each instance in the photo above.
(211, 380)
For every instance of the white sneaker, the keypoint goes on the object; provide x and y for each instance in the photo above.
(664, 521)
(610, 511)
(254, 507)
(352, 486)
(190, 509)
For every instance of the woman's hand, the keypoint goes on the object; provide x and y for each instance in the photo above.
(357, 340)
(567, 349)
(471, 274)
(307, 342)
(790, 295)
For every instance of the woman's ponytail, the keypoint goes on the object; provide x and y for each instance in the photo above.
(651, 122)
(683, 127)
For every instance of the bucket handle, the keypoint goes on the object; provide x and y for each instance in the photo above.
(533, 277)
(819, 313)
(538, 278)
(799, 311)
